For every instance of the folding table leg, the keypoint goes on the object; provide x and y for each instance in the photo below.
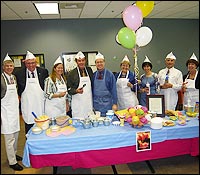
(55, 168)
(150, 166)
(114, 169)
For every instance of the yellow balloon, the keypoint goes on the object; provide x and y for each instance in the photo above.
(145, 6)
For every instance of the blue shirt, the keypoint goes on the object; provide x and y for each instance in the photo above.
(110, 83)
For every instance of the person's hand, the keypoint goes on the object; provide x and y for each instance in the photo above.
(184, 86)
(79, 90)
(62, 94)
(146, 90)
(114, 107)
(167, 85)
(129, 85)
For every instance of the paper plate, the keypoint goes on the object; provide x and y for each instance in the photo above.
(168, 123)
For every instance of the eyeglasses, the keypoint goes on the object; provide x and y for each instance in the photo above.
(31, 63)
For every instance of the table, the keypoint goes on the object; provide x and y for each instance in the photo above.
(109, 145)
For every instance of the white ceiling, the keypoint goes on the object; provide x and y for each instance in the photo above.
(25, 10)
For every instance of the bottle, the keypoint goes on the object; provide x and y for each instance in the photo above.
(148, 86)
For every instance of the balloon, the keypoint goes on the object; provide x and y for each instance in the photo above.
(143, 36)
(126, 37)
(117, 40)
(145, 6)
(132, 17)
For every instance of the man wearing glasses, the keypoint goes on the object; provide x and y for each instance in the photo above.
(30, 82)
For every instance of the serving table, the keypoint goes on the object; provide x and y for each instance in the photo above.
(109, 145)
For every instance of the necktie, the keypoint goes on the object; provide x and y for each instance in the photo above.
(11, 80)
(100, 76)
(167, 77)
(83, 73)
(167, 72)
(33, 75)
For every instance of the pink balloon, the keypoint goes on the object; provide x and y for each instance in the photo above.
(132, 17)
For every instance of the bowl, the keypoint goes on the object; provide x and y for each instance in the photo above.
(36, 130)
(156, 123)
(62, 121)
(42, 122)
(191, 114)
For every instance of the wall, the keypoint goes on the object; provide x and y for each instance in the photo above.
(52, 37)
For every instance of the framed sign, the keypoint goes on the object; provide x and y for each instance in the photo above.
(156, 103)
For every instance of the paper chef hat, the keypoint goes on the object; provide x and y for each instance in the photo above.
(7, 58)
(29, 55)
(171, 55)
(79, 55)
(99, 56)
(193, 57)
(125, 59)
(59, 60)
(146, 59)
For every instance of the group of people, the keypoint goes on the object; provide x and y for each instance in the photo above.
(169, 81)
(82, 91)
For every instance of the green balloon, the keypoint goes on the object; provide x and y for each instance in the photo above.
(127, 37)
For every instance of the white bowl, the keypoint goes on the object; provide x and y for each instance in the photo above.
(36, 130)
(156, 123)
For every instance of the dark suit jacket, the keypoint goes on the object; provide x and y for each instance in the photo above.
(21, 78)
(73, 79)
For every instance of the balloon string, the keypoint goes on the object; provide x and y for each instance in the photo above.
(136, 68)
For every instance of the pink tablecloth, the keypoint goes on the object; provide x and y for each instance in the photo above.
(105, 157)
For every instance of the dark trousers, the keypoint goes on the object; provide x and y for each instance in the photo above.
(28, 127)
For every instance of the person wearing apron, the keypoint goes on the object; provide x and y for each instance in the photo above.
(30, 81)
(150, 79)
(190, 92)
(55, 90)
(79, 87)
(126, 83)
(104, 88)
(170, 80)
(10, 119)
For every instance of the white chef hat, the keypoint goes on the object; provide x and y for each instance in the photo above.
(146, 59)
(58, 60)
(125, 59)
(99, 56)
(193, 57)
(29, 55)
(171, 55)
(7, 58)
(79, 55)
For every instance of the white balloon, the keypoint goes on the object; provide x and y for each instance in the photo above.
(143, 36)
(117, 40)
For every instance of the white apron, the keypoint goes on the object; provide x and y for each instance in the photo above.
(32, 100)
(57, 106)
(126, 97)
(171, 98)
(82, 103)
(191, 92)
(10, 110)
